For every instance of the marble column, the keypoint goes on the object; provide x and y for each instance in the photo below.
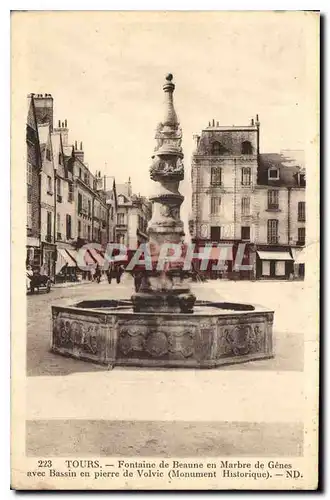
(166, 290)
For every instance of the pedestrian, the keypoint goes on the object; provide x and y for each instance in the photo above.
(119, 272)
(97, 275)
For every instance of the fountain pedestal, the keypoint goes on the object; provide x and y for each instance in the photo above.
(161, 291)
(110, 333)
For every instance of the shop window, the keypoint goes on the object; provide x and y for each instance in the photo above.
(280, 268)
(265, 268)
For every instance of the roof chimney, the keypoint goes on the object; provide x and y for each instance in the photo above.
(65, 123)
(217, 124)
(252, 121)
(213, 123)
(81, 146)
(75, 145)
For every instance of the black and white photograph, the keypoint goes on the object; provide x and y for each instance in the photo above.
(165, 243)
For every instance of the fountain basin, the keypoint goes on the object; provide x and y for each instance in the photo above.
(110, 333)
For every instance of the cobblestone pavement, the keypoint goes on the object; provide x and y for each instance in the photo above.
(267, 391)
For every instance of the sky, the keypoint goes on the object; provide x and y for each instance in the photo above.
(105, 71)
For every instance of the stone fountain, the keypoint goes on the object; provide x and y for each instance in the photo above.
(163, 325)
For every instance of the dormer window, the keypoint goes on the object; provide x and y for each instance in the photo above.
(246, 148)
(121, 199)
(301, 180)
(216, 148)
(273, 174)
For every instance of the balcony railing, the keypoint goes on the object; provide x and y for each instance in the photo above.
(273, 206)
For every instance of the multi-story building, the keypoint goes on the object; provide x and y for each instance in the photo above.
(47, 201)
(66, 204)
(133, 214)
(240, 195)
(33, 168)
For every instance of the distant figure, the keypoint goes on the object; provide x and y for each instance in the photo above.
(138, 277)
(119, 272)
(97, 275)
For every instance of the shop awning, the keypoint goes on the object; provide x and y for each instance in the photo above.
(73, 254)
(63, 259)
(299, 255)
(96, 256)
(263, 255)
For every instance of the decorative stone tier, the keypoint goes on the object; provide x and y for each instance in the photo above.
(109, 333)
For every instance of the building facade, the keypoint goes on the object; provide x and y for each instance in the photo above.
(242, 196)
(133, 215)
(66, 204)
(33, 169)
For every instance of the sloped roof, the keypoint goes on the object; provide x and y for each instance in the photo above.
(123, 189)
(289, 165)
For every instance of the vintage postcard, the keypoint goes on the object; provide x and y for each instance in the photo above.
(165, 250)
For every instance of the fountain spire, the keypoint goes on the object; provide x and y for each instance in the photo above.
(164, 290)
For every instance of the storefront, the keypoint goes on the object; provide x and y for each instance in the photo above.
(274, 264)
(65, 266)
(48, 259)
(299, 263)
(33, 252)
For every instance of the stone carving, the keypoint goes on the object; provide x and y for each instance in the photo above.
(182, 342)
(70, 334)
(243, 339)
(167, 168)
(131, 339)
(170, 211)
(157, 344)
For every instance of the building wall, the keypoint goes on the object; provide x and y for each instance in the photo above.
(261, 208)
(297, 195)
(33, 167)
(231, 161)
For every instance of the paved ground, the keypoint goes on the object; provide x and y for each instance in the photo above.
(264, 392)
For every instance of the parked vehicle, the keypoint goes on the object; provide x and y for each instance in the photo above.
(36, 281)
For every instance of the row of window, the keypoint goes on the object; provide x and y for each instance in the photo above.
(59, 235)
(273, 204)
(273, 175)
(272, 233)
(216, 176)
(218, 149)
